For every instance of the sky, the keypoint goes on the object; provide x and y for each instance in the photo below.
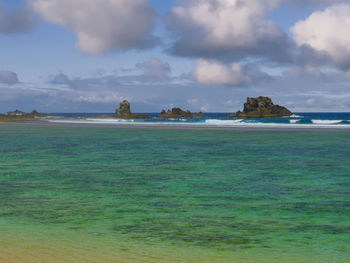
(201, 55)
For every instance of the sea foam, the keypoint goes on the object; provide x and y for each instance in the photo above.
(208, 123)
(92, 121)
(295, 116)
(110, 120)
(326, 121)
(223, 122)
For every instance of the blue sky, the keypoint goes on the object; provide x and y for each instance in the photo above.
(204, 55)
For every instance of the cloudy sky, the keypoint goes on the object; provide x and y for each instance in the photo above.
(209, 55)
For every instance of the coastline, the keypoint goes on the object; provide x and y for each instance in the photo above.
(181, 126)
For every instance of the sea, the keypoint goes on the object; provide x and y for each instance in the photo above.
(77, 189)
(297, 120)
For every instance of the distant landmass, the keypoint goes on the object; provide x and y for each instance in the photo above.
(18, 115)
(261, 107)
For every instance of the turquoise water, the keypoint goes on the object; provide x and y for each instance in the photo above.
(258, 193)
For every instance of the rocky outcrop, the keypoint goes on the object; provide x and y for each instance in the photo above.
(18, 115)
(124, 109)
(36, 114)
(123, 112)
(179, 113)
(261, 107)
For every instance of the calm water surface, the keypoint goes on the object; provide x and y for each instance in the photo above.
(234, 196)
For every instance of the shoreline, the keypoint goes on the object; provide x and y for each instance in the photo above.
(183, 126)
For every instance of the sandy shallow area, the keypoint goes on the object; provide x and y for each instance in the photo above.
(57, 248)
(93, 251)
(28, 244)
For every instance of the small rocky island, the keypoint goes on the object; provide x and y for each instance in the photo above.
(261, 107)
(123, 112)
(18, 115)
(179, 113)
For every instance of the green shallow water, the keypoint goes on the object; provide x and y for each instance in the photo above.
(261, 194)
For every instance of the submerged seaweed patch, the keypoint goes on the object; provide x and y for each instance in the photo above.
(258, 190)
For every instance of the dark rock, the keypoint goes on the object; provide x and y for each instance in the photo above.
(261, 107)
(123, 112)
(178, 113)
(124, 109)
(34, 113)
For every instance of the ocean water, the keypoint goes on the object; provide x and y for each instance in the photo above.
(75, 193)
(298, 120)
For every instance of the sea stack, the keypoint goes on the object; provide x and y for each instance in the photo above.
(123, 112)
(179, 113)
(124, 109)
(261, 107)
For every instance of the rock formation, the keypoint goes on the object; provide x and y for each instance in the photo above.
(124, 109)
(179, 113)
(261, 107)
(34, 113)
(18, 115)
(123, 112)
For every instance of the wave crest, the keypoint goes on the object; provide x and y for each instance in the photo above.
(326, 121)
(223, 122)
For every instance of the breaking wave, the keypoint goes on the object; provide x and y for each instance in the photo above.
(223, 122)
(326, 121)
(295, 116)
(111, 120)
(292, 123)
(92, 121)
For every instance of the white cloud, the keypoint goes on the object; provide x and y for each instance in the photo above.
(154, 70)
(199, 104)
(235, 27)
(327, 32)
(99, 97)
(215, 73)
(305, 70)
(102, 25)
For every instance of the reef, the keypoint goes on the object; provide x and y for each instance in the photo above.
(261, 107)
(179, 113)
